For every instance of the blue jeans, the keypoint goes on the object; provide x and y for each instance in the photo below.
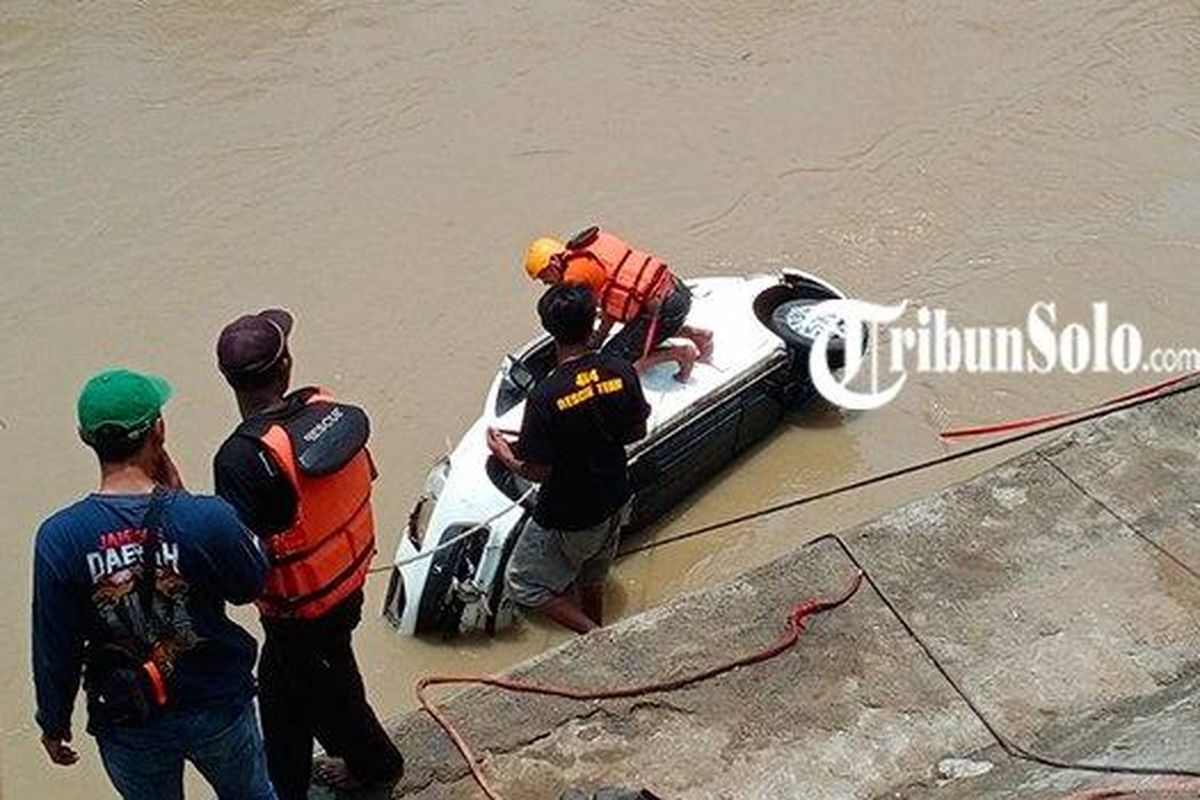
(146, 762)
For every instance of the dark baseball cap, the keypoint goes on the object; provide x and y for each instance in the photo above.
(121, 398)
(254, 342)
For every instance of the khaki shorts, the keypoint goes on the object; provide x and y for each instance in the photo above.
(546, 562)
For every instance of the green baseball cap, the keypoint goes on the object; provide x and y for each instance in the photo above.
(122, 398)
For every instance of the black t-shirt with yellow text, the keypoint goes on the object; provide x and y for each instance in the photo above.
(578, 420)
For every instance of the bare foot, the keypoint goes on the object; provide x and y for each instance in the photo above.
(334, 773)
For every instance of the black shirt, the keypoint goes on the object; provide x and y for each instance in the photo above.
(578, 420)
(246, 475)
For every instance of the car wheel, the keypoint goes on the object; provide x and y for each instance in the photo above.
(798, 323)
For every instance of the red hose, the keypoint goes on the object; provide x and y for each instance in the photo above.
(1154, 787)
(1028, 422)
(796, 619)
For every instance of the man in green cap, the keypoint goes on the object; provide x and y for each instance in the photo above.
(166, 673)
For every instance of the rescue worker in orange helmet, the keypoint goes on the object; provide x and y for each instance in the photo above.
(631, 287)
(298, 473)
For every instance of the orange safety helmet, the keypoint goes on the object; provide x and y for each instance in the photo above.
(539, 253)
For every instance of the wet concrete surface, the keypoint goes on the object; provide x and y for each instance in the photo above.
(1035, 585)
(1155, 731)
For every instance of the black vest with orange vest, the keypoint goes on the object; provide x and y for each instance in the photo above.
(635, 279)
(324, 556)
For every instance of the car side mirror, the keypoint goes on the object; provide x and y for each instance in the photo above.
(520, 375)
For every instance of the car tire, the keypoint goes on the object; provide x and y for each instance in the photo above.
(793, 321)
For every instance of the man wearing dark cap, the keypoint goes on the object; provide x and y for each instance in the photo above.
(299, 474)
(168, 674)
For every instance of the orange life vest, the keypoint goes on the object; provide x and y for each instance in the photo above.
(635, 279)
(325, 555)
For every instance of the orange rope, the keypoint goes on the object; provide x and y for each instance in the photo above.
(796, 619)
(1028, 422)
(1157, 787)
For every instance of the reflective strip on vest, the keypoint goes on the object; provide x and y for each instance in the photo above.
(634, 278)
(325, 555)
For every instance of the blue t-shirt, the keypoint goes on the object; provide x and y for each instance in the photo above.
(86, 558)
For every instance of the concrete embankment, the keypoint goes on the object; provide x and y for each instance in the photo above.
(1055, 589)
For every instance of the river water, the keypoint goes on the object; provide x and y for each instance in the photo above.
(378, 167)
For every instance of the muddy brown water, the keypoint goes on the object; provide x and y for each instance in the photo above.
(377, 168)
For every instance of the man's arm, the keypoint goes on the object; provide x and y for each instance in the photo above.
(247, 477)
(502, 450)
(230, 555)
(636, 433)
(167, 474)
(58, 642)
(533, 456)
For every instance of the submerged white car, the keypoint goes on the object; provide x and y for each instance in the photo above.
(763, 327)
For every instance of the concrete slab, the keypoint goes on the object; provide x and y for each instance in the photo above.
(1158, 731)
(1145, 468)
(1030, 584)
(841, 701)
